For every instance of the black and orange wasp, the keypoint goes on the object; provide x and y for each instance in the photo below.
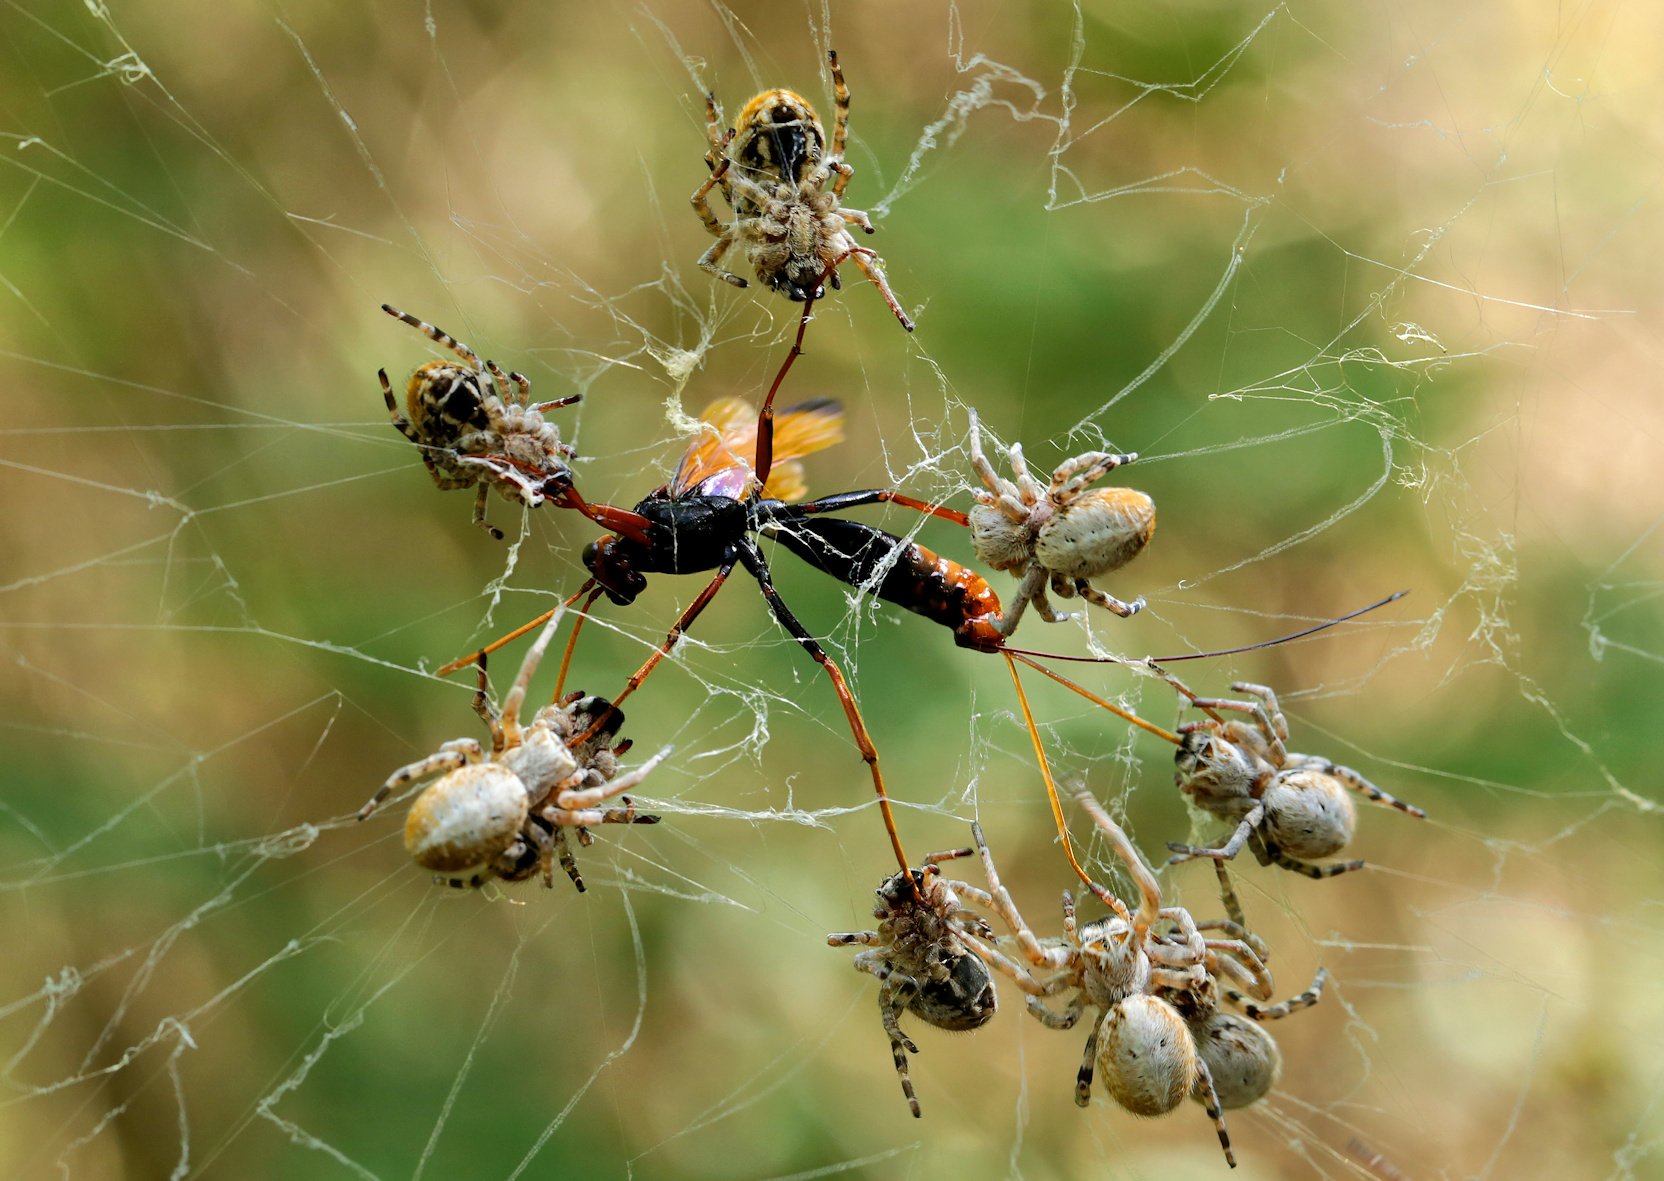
(741, 479)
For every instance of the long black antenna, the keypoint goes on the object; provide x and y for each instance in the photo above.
(1313, 630)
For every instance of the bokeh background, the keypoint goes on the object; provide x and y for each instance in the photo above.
(1371, 287)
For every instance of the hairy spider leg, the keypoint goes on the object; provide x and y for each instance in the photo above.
(1183, 689)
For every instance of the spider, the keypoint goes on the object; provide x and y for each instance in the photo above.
(472, 430)
(1115, 965)
(1063, 534)
(1288, 807)
(773, 169)
(921, 963)
(1241, 1056)
(504, 816)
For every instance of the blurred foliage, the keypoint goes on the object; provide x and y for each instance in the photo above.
(1432, 365)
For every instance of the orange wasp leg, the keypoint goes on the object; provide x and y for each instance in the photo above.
(1151, 727)
(473, 658)
(572, 640)
(1046, 774)
(752, 558)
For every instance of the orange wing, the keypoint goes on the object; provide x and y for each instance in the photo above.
(726, 447)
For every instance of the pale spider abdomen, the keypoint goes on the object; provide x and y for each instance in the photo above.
(1242, 1057)
(1146, 1056)
(466, 818)
(1098, 531)
(1308, 814)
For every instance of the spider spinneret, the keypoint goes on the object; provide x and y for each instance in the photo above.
(773, 169)
(1066, 534)
(922, 964)
(504, 816)
(474, 430)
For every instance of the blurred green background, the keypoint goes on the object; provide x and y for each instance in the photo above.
(1370, 288)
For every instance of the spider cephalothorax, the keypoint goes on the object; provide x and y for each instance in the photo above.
(477, 426)
(786, 189)
(1064, 534)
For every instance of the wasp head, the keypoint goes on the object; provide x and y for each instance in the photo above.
(608, 559)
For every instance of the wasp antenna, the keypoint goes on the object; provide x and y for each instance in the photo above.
(1299, 635)
(1292, 636)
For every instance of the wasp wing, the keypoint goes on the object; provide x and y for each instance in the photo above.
(719, 459)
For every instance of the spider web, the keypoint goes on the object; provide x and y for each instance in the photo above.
(1370, 290)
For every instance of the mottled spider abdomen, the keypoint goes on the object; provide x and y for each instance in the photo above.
(466, 818)
(778, 137)
(1308, 814)
(1242, 1057)
(961, 998)
(444, 399)
(1146, 1056)
(1098, 531)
